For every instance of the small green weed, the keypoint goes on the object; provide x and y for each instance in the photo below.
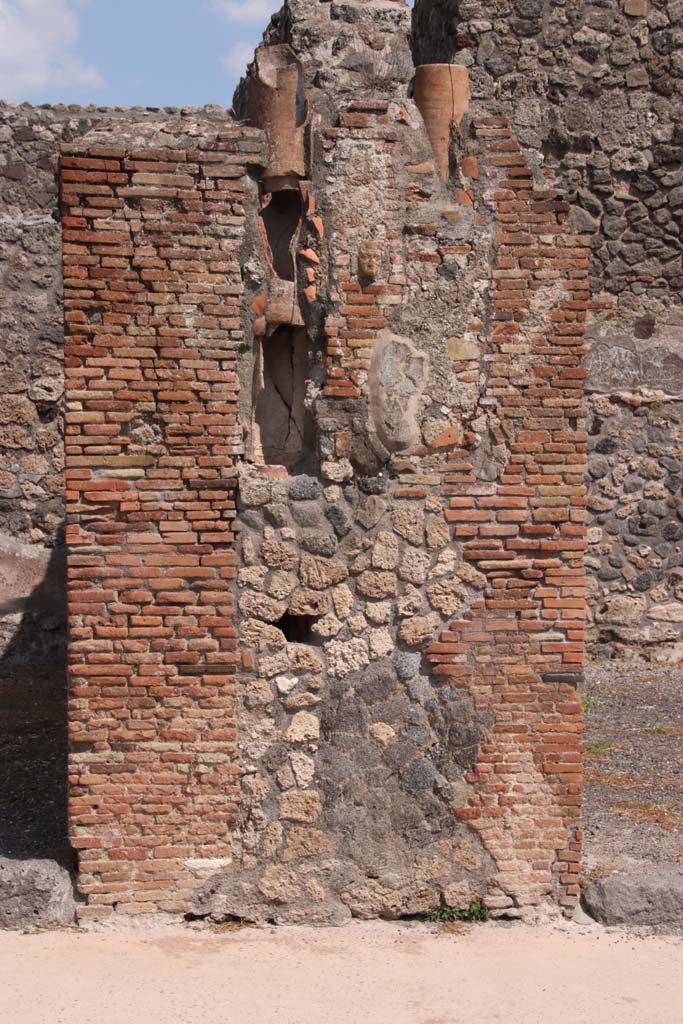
(655, 729)
(475, 912)
(587, 703)
(597, 747)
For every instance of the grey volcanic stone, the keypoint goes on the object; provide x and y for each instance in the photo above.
(304, 488)
(372, 484)
(406, 664)
(651, 897)
(307, 514)
(341, 519)
(35, 894)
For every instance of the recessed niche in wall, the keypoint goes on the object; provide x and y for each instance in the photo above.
(281, 217)
(297, 628)
(280, 434)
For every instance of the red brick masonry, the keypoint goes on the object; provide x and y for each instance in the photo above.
(153, 317)
(520, 650)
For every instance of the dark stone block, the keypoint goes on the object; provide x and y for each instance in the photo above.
(341, 519)
(419, 776)
(304, 488)
(318, 543)
(373, 484)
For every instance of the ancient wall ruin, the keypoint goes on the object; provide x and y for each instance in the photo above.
(393, 703)
(33, 750)
(152, 293)
(347, 372)
(593, 91)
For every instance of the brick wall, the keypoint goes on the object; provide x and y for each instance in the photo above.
(437, 552)
(423, 743)
(153, 319)
(520, 648)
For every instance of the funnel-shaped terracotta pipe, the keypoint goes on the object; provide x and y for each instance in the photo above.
(442, 95)
(276, 103)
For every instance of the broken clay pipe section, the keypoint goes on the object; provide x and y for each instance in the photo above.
(442, 95)
(289, 256)
(280, 221)
(280, 308)
(276, 103)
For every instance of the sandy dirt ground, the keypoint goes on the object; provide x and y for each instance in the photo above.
(376, 972)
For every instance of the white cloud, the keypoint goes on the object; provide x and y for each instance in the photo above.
(238, 56)
(38, 40)
(246, 10)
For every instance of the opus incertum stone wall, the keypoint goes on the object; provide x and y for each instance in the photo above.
(326, 509)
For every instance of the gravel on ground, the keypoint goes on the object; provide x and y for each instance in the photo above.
(633, 746)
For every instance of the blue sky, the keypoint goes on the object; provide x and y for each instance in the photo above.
(109, 52)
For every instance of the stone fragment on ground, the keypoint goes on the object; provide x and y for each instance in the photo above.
(651, 897)
(35, 894)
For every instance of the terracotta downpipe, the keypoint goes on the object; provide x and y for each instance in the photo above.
(276, 104)
(442, 94)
